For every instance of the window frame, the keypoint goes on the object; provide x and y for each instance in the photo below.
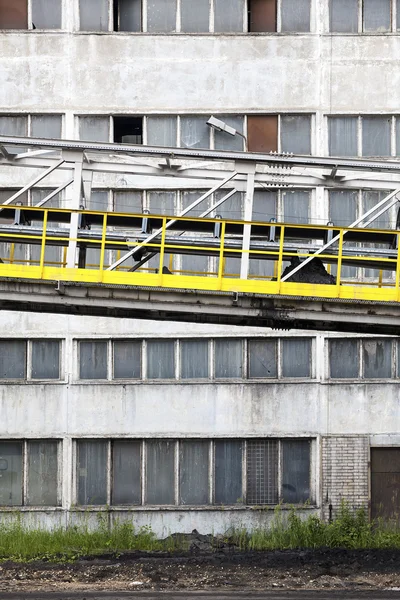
(393, 126)
(25, 475)
(29, 115)
(211, 503)
(394, 360)
(31, 26)
(28, 379)
(393, 15)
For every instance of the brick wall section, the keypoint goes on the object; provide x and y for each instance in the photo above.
(344, 472)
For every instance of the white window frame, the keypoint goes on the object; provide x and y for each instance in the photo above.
(28, 361)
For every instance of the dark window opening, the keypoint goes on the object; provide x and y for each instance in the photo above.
(128, 130)
(14, 15)
(262, 16)
(127, 15)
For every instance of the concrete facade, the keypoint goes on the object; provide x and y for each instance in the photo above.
(73, 73)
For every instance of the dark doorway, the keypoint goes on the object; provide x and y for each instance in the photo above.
(385, 483)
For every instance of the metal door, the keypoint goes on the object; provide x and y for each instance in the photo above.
(385, 483)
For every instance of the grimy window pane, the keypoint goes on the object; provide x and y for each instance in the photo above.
(195, 133)
(377, 358)
(93, 360)
(98, 201)
(162, 203)
(93, 15)
(342, 207)
(160, 359)
(92, 473)
(296, 357)
(12, 359)
(193, 472)
(262, 472)
(228, 358)
(189, 196)
(94, 129)
(376, 136)
(296, 134)
(228, 472)
(42, 474)
(45, 359)
(376, 15)
(343, 16)
(262, 358)
(127, 360)
(343, 136)
(126, 488)
(46, 14)
(262, 15)
(231, 208)
(194, 359)
(14, 14)
(228, 15)
(130, 15)
(296, 471)
(46, 126)
(161, 15)
(225, 141)
(14, 125)
(371, 198)
(11, 473)
(161, 131)
(262, 133)
(295, 15)
(128, 202)
(160, 472)
(264, 206)
(296, 207)
(198, 264)
(343, 359)
(195, 16)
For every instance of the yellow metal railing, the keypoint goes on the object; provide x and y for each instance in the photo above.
(111, 247)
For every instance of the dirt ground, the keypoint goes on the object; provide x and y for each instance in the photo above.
(278, 570)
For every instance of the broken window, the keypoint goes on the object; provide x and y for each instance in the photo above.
(127, 15)
(195, 16)
(296, 471)
(92, 472)
(195, 132)
(162, 131)
(94, 129)
(343, 17)
(228, 15)
(343, 136)
(376, 136)
(296, 357)
(161, 359)
(194, 359)
(126, 471)
(262, 472)
(193, 472)
(228, 358)
(93, 360)
(262, 15)
(93, 15)
(344, 359)
(376, 15)
(262, 133)
(160, 472)
(127, 359)
(46, 14)
(128, 130)
(263, 358)
(295, 15)
(296, 134)
(14, 14)
(161, 15)
(377, 359)
(228, 472)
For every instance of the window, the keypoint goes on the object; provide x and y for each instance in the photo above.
(377, 359)
(263, 358)
(374, 16)
(161, 359)
(195, 16)
(295, 15)
(228, 358)
(93, 15)
(295, 133)
(193, 472)
(368, 136)
(262, 15)
(35, 462)
(32, 360)
(44, 126)
(127, 15)
(45, 14)
(296, 357)
(194, 359)
(127, 359)
(95, 128)
(93, 360)
(128, 130)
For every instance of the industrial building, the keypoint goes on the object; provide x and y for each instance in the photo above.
(193, 426)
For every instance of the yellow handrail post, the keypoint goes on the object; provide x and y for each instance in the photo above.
(103, 245)
(339, 264)
(171, 262)
(221, 266)
(380, 278)
(12, 248)
(280, 257)
(162, 250)
(43, 243)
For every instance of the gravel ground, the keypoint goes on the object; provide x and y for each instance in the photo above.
(279, 570)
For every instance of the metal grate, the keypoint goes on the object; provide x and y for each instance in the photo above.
(262, 472)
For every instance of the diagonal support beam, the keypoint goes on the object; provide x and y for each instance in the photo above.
(54, 193)
(170, 223)
(354, 224)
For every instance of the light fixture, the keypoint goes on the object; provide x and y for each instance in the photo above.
(219, 125)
